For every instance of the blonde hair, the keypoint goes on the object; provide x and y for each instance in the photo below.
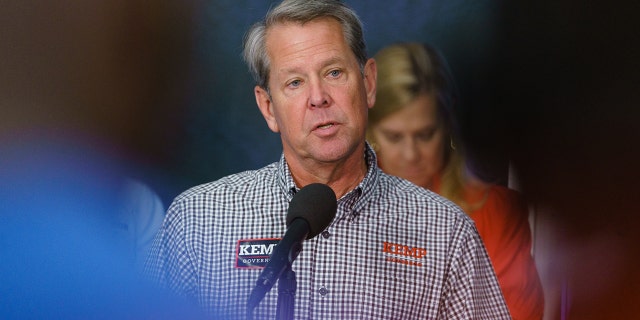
(406, 70)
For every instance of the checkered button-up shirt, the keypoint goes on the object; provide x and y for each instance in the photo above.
(393, 251)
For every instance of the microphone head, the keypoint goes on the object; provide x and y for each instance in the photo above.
(317, 204)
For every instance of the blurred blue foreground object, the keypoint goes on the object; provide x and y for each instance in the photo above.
(60, 256)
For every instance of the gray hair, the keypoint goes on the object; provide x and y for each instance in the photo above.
(300, 11)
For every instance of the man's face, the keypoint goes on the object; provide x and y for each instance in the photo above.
(319, 97)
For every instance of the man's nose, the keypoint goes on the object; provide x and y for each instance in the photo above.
(318, 96)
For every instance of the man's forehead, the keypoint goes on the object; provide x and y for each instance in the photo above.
(288, 48)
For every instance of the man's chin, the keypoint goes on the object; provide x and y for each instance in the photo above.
(331, 153)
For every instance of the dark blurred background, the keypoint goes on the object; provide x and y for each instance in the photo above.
(549, 90)
(566, 92)
(110, 73)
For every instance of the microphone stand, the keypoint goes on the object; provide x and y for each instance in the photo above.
(286, 294)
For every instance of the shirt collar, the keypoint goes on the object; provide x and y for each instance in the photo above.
(355, 198)
(285, 179)
(366, 190)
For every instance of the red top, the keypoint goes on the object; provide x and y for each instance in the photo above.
(503, 224)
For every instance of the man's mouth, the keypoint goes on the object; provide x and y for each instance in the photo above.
(325, 126)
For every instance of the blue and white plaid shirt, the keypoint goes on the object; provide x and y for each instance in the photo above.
(393, 251)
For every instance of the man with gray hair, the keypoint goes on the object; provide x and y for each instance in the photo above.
(393, 250)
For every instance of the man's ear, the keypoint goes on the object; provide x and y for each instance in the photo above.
(266, 108)
(370, 81)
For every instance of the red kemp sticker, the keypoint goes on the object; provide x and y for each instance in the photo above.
(403, 254)
(254, 253)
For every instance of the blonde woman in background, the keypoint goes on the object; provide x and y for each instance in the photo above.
(412, 129)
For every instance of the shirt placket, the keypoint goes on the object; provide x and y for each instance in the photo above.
(322, 291)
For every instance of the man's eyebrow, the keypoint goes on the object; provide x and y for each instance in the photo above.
(324, 64)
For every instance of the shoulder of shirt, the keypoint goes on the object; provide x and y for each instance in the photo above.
(394, 187)
(235, 183)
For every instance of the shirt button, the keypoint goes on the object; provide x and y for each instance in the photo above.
(323, 291)
(326, 234)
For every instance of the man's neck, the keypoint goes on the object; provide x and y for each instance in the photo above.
(341, 176)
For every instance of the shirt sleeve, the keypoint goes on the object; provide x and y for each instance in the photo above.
(169, 263)
(472, 290)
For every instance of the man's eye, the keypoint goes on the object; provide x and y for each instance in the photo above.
(294, 83)
(335, 73)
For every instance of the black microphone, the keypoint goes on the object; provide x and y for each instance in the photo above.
(310, 212)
